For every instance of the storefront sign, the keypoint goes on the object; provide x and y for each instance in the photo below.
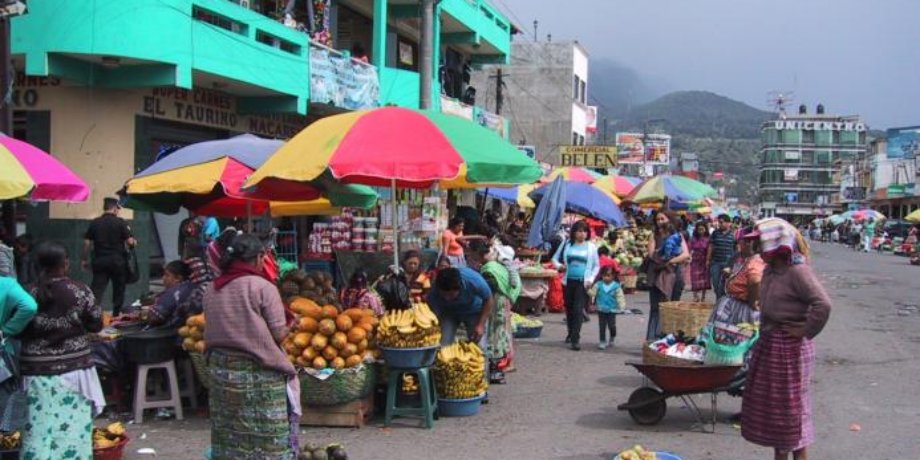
(791, 175)
(819, 125)
(588, 156)
(200, 106)
(895, 191)
(26, 94)
(904, 143)
(276, 126)
(492, 121)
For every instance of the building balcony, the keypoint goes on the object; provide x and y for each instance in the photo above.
(478, 27)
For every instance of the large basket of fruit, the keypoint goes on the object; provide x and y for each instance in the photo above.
(343, 386)
(459, 374)
(409, 339)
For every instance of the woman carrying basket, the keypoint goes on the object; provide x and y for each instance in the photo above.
(776, 409)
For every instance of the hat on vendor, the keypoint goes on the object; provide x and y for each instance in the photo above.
(750, 233)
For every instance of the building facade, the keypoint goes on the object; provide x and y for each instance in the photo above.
(544, 95)
(799, 159)
(894, 172)
(107, 86)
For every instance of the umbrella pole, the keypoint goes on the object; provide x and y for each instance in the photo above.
(249, 215)
(395, 222)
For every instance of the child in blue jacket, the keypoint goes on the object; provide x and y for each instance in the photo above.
(609, 300)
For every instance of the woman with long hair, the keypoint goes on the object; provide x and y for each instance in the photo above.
(255, 394)
(776, 408)
(578, 258)
(60, 378)
(666, 251)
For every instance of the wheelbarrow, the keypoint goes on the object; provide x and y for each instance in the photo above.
(647, 405)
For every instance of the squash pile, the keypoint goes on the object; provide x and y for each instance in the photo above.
(109, 436)
(459, 371)
(416, 327)
(193, 333)
(322, 337)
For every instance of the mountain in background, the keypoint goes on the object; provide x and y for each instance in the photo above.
(615, 88)
(724, 133)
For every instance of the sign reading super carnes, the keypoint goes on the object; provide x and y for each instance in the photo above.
(588, 156)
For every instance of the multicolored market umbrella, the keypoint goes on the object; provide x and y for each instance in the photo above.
(27, 171)
(587, 200)
(207, 177)
(913, 217)
(405, 148)
(670, 188)
(618, 185)
(863, 214)
(573, 173)
(516, 195)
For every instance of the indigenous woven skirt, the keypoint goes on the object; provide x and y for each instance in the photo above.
(60, 421)
(699, 276)
(776, 408)
(250, 419)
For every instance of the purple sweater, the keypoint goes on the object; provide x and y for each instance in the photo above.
(793, 295)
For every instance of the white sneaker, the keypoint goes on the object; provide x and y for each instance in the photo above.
(602, 346)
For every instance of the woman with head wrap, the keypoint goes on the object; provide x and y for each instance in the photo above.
(776, 409)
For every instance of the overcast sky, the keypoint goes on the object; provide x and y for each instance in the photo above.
(855, 56)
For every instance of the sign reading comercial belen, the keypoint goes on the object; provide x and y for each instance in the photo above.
(588, 156)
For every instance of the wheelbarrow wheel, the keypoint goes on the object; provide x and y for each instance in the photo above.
(650, 413)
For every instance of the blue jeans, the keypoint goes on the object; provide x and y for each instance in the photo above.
(450, 323)
(715, 277)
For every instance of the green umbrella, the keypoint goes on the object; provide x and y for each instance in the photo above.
(670, 188)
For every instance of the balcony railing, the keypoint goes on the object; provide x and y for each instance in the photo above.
(340, 80)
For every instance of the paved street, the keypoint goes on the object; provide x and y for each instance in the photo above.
(562, 404)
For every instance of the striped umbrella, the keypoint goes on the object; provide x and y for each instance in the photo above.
(27, 171)
(618, 185)
(574, 174)
(670, 188)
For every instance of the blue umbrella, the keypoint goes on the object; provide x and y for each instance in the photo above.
(585, 200)
(548, 216)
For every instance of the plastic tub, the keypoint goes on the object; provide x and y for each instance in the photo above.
(459, 407)
(409, 358)
(528, 332)
(149, 347)
(116, 452)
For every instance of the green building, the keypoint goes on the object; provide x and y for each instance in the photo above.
(108, 85)
(798, 159)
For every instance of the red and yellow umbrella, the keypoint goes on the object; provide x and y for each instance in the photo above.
(618, 185)
(573, 174)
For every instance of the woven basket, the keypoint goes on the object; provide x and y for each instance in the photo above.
(629, 281)
(689, 317)
(201, 368)
(344, 386)
(650, 356)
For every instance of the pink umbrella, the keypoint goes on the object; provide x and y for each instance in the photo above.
(27, 171)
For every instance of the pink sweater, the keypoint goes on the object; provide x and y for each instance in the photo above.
(241, 317)
(793, 295)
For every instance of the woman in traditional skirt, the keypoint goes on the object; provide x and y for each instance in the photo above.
(776, 409)
(699, 270)
(501, 336)
(62, 387)
(254, 394)
(742, 288)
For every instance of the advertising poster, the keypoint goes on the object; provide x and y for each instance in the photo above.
(904, 143)
(634, 148)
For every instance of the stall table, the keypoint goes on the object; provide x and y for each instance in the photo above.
(534, 287)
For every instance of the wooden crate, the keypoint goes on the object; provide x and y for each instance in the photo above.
(353, 414)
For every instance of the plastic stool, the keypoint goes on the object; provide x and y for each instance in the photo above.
(427, 393)
(141, 401)
(189, 388)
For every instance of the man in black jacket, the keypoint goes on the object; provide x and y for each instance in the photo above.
(108, 237)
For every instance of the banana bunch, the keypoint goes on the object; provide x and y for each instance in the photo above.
(460, 371)
(109, 436)
(415, 327)
(10, 441)
(749, 327)
(409, 385)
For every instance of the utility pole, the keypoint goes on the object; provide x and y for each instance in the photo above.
(6, 112)
(426, 50)
(605, 130)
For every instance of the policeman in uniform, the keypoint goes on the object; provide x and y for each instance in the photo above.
(108, 238)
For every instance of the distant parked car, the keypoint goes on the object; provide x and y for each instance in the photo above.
(897, 228)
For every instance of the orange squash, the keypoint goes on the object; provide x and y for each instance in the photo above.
(330, 353)
(343, 323)
(319, 362)
(352, 361)
(308, 324)
(327, 327)
(329, 311)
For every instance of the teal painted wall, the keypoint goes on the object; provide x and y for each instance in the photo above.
(165, 32)
(480, 17)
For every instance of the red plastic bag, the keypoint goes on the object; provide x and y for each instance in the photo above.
(555, 298)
